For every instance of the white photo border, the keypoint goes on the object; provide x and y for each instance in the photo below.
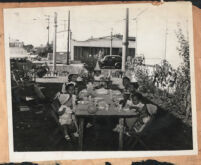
(65, 155)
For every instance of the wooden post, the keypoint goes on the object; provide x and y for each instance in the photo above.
(121, 133)
(48, 30)
(55, 41)
(81, 131)
(68, 40)
(125, 42)
(111, 43)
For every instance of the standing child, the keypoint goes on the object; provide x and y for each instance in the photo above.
(67, 109)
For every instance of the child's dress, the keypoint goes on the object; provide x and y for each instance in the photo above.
(98, 78)
(67, 103)
(66, 117)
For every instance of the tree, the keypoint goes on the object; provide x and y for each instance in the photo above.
(28, 48)
(90, 64)
(183, 72)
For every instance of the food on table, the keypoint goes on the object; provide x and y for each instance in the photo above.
(116, 92)
(83, 93)
(102, 105)
(102, 91)
(97, 99)
(83, 102)
(117, 100)
(126, 109)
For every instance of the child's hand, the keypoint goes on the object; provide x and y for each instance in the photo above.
(61, 112)
(134, 107)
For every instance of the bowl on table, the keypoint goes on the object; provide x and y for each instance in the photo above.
(92, 109)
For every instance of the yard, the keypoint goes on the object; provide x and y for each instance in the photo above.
(34, 131)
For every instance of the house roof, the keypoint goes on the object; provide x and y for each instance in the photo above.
(104, 42)
(116, 36)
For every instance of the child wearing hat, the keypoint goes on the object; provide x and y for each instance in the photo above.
(97, 76)
(66, 111)
(72, 78)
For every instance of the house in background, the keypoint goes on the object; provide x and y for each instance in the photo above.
(81, 50)
(16, 49)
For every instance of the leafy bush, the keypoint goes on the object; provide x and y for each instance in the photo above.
(183, 72)
(178, 101)
(144, 80)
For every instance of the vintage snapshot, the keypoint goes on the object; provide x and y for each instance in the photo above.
(100, 81)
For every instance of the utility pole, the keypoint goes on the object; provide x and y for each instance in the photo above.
(111, 38)
(166, 32)
(68, 39)
(48, 29)
(125, 42)
(70, 42)
(55, 42)
(136, 38)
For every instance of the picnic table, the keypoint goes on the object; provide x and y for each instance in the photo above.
(82, 113)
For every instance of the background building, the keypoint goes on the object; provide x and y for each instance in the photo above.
(100, 46)
(16, 49)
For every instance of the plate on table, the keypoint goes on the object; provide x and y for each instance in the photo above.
(83, 102)
(97, 99)
(133, 110)
(102, 91)
(116, 92)
(127, 109)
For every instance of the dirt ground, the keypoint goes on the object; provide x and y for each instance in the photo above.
(35, 131)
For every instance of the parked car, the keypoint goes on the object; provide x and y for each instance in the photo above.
(111, 62)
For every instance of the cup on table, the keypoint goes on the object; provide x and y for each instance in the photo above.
(120, 106)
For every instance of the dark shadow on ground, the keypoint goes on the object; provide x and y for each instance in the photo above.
(34, 132)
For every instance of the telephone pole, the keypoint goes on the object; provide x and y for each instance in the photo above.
(136, 38)
(68, 39)
(166, 33)
(48, 29)
(111, 38)
(55, 42)
(125, 41)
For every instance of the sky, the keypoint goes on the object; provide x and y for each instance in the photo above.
(154, 27)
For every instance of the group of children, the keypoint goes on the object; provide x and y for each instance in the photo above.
(132, 99)
(68, 96)
(135, 102)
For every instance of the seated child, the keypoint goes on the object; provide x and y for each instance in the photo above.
(85, 93)
(66, 111)
(71, 79)
(138, 123)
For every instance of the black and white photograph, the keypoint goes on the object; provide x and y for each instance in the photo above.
(100, 81)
